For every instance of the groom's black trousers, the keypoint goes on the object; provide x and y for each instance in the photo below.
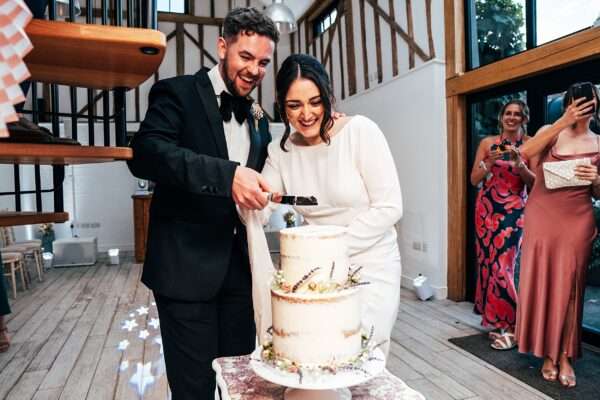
(195, 333)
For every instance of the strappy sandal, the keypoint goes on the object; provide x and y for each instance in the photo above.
(495, 334)
(568, 381)
(4, 342)
(550, 375)
(506, 341)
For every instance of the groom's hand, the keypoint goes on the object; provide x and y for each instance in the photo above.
(249, 189)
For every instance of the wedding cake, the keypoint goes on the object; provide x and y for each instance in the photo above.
(315, 299)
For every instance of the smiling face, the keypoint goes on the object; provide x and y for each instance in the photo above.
(304, 109)
(512, 118)
(244, 60)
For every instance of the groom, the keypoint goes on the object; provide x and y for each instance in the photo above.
(202, 143)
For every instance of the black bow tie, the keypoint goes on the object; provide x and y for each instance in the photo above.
(240, 106)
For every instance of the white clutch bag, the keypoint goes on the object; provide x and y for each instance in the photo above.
(559, 174)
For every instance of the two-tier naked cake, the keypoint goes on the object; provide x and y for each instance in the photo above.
(315, 301)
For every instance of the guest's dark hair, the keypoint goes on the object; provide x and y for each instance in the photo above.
(298, 66)
(248, 20)
(524, 114)
(568, 98)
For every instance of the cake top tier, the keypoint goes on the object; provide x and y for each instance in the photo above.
(314, 256)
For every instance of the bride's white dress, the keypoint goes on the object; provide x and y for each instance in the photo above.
(355, 181)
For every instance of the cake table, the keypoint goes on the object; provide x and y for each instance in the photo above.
(237, 381)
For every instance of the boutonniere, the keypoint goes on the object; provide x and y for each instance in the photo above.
(257, 113)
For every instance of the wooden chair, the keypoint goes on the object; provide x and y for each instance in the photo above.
(29, 248)
(11, 264)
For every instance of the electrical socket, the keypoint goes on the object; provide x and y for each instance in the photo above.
(424, 247)
(416, 246)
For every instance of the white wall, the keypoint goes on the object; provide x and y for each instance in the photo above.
(410, 110)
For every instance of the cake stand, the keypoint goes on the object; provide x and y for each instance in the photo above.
(315, 386)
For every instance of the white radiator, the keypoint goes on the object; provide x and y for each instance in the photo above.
(75, 251)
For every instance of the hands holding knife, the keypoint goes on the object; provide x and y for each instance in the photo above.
(251, 191)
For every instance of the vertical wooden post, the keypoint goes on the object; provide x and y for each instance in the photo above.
(411, 34)
(378, 47)
(363, 36)
(350, 55)
(457, 152)
(394, 43)
(179, 48)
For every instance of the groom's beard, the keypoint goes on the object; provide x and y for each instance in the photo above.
(229, 84)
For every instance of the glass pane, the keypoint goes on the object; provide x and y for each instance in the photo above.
(163, 5)
(178, 6)
(500, 28)
(333, 15)
(591, 301)
(558, 18)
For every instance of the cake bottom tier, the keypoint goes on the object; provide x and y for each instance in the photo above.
(316, 329)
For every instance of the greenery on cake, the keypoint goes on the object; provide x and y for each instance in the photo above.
(268, 356)
(309, 285)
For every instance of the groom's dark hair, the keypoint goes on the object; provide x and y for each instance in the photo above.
(248, 20)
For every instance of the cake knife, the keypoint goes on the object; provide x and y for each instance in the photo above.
(293, 200)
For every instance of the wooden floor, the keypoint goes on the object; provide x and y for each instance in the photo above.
(68, 342)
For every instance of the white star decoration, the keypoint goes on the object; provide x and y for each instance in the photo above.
(132, 315)
(154, 322)
(158, 340)
(142, 310)
(142, 377)
(123, 345)
(144, 334)
(124, 366)
(130, 324)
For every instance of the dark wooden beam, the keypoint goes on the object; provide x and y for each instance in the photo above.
(378, 56)
(394, 41)
(189, 19)
(411, 34)
(180, 48)
(350, 55)
(363, 36)
(429, 29)
(394, 26)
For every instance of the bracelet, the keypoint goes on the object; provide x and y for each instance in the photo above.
(483, 166)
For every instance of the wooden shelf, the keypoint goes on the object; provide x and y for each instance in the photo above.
(93, 56)
(59, 154)
(28, 218)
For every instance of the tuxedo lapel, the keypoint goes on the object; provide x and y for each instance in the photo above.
(209, 101)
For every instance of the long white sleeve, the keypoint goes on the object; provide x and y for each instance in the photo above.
(380, 177)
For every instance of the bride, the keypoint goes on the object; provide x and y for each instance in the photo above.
(347, 165)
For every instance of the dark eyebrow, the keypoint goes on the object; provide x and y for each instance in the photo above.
(250, 55)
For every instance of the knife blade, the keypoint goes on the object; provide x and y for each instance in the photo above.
(293, 200)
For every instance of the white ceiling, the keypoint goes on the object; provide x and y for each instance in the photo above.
(298, 7)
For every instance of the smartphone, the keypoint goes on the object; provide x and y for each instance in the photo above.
(584, 89)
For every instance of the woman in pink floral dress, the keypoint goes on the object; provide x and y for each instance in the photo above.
(499, 222)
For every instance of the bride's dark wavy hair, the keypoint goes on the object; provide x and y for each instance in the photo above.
(298, 66)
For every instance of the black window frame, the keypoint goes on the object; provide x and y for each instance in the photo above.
(530, 31)
(320, 19)
(537, 88)
(186, 6)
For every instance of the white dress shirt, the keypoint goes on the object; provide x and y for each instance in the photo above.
(237, 136)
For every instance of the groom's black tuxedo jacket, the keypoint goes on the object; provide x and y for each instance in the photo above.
(181, 147)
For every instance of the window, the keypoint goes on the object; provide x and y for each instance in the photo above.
(172, 6)
(325, 20)
(557, 18)
(497, 29)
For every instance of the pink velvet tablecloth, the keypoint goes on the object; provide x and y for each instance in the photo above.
(238, 382)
